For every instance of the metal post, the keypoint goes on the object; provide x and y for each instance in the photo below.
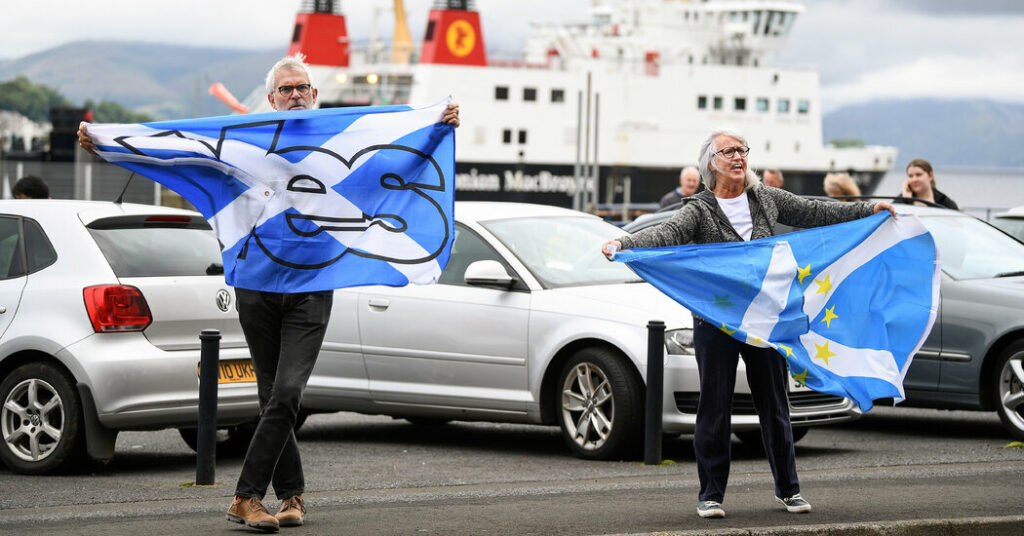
(586, 151)
(595, 166)
(209, 372)
(655, 388)
(577, 194)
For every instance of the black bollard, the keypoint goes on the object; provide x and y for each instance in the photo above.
(655, 389)
(209, 373)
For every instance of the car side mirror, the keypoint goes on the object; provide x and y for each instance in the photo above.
(488, 274)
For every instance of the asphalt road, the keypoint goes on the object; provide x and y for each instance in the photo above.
(374, 475)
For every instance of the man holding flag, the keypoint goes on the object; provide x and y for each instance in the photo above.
(736, 207)
(301, 205)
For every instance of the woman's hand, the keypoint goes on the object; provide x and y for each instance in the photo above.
(883, 205)
(84, 141)
(451, 115)
(610, 247)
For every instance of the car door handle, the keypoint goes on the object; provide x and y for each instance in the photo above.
(379, 303)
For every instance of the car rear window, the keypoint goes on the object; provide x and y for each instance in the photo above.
(144, 249)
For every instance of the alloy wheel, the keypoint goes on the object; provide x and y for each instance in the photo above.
(1011, 392)
(32, 419)
(588, 407)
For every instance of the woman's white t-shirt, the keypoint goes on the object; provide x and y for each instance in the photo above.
(737, 210)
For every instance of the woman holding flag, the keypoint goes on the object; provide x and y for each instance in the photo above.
(736, 207)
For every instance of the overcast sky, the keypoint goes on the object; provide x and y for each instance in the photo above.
(864, 49)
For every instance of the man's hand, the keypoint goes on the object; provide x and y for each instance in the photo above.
(883, 205)
(84, 141)
(451, 115)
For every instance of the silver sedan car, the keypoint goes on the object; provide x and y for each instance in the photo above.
(530, 324)
(101, 306)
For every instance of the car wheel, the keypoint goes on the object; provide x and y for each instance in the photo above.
(40, 420)
(601, 405)
(231, 442)
(1009, 389)
(753, 437)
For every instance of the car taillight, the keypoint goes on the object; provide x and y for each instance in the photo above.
(116, 308)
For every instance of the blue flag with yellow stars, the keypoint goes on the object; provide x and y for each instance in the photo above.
(847, 305)
(308, 200)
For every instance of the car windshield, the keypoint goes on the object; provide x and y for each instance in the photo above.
(1013, 226)
(563, 251)
(971, 249)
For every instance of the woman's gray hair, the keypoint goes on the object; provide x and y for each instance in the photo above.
(294, 63)
(707, 153)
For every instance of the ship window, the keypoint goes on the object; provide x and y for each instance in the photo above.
(702, 102)
(297, 34)
(767, 146)
(803, 106)
(796, 147)
(762, 104)
(501, 93)
(717, 102)
(529, 94)
(506, 136)
(430, 31)
(740, 104)
(783, 106)
(522, 137)
(557, 95)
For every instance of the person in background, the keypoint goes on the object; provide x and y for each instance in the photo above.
(30, 187)
(773, 178)
(689, 182)
(920, 184)
(736, 207)
(840, 185)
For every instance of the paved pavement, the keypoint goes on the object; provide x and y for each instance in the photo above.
(369, 475)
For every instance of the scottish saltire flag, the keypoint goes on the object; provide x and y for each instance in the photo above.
(847, 305)
(312, 199)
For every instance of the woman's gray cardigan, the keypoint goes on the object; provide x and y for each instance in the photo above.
(702, 221)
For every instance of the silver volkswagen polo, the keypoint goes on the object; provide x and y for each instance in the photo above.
(529, 323)
(101, 306)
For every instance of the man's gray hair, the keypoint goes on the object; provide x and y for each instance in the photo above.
(707, 153)
(294, 63)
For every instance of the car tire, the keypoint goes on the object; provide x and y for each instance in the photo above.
(752, 438)
(231, 442)
(1008, 389)
(40, 420)
(600, 405)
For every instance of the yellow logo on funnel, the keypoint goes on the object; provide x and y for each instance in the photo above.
(461, 38)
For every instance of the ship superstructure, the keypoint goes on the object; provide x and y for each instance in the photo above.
(632, 91)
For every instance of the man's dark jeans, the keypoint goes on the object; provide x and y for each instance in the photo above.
(717, 357)
(284, 333)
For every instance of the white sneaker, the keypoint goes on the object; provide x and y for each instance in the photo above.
(710, 509)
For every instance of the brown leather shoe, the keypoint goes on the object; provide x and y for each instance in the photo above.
(291, 512)
(250, 511)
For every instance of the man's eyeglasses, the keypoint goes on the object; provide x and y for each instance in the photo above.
(730, 152)
(286, 91)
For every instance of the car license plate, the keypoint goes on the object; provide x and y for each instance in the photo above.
(795, 386)
(234, 371)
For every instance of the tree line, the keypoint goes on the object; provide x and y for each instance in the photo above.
(35, 100)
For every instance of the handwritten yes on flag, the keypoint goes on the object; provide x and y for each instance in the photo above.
(308, 200)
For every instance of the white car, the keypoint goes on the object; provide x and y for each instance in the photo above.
(531, 324)
(101, 306)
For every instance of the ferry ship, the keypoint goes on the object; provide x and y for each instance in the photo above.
(599, 114)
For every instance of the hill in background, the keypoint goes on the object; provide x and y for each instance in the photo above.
(163, 81)
(969, 133)
(160, 80)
